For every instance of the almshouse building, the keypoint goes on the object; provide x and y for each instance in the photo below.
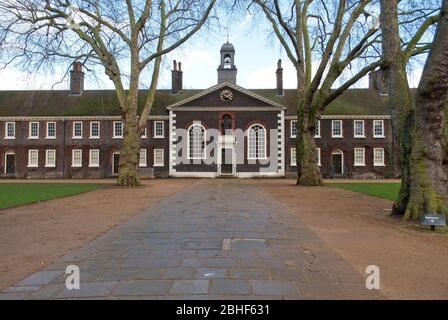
(225, 130)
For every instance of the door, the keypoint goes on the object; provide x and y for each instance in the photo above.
(337, 163)
(115, 163)
(10, 163)
(226, 161)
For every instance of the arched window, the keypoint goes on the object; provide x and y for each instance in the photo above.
(196, 142)
(227, 61)
(256, 142)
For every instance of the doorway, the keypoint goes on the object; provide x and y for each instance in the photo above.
(10, 163)
(227, 161)
(337, 159)
(115, 163)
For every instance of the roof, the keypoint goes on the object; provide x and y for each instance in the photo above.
(105, 103)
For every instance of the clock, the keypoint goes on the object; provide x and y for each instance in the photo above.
(226, 96)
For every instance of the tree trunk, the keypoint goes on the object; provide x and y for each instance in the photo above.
(129, 155)
(429, 159)
(400, 100)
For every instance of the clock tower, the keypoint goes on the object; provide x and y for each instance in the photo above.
(227, 69)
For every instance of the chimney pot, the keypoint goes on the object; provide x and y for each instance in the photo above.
(279, 74)
(176, 77)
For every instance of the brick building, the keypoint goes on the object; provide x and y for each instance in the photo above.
(224, 130)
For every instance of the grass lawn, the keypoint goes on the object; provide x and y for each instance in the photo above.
(15, 194)
(387, 191)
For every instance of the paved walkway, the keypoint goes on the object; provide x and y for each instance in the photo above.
(219, 239)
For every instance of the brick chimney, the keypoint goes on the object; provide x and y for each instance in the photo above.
(378, 83)
(176, 77)
(76, 79)
(279, 74)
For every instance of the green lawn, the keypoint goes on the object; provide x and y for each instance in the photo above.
(15, 194)
(387, 191)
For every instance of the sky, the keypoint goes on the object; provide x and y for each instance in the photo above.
(256, 59)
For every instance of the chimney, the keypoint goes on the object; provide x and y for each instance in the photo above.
(76, 79)
(378, 83)
(176, 78)
(279, 73)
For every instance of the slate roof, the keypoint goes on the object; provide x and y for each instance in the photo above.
(104, 102)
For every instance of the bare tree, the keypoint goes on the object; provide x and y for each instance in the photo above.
(131, 35)
(343, 37)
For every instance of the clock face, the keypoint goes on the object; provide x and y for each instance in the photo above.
(226, 96)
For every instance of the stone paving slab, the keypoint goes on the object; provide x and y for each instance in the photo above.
(219, 239)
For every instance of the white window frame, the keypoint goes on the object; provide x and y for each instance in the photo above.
(91, 163)
(189, 142)
(377, 164)
(48, 131)
(30, 130)
(76, 165)
(264, 156)
(91, 136)
(332, 129)
(293, 156)
(318, 135)
(143, 160)
(145, 133)
(33, 165)
(47, 162)
(359, 136)
(291, 126)
(6, 130)
(115, 136)
(158, 136)
(162, 163)
(382, 125)
(74, 136)
(359, 164)
(318, 153)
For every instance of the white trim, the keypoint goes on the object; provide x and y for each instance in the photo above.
(47, 165)
(281, 142)
(145, 134)
(222, 146)
(29, 130)
(74, 130)
(293, 136)
(264, 157)
(162, 164)
(359, 136)
(5, 166)
(338, 151)
(73, 158)
(99, 130)
(47, 136)
(196, 123)
(155, 135)
(340, 136)
(383, 129)
(144, 163)
(6, 130)
(171, 146)
(114, 131)
(293, 151)
(377, 164)
(94, 165)
(29, 158)
(359, 164)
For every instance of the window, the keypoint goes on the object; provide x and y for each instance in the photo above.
(143, 158)
(359, 155)
(358, 128)
(294, 128)
(378, 128)
(293, 157)
(10, 130)
(118, 129)
(34, 130)
(317, 132)
(145, 134)
(77, 130)
(257, 142)
(50, 158)
(378, 157)
(158, 129)
(94, 158)
(318, 157)
(33, 158)
(77, 158)
(336, 128)
(51, 130)
(196, 142)
(158, 158)
(94, 130)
